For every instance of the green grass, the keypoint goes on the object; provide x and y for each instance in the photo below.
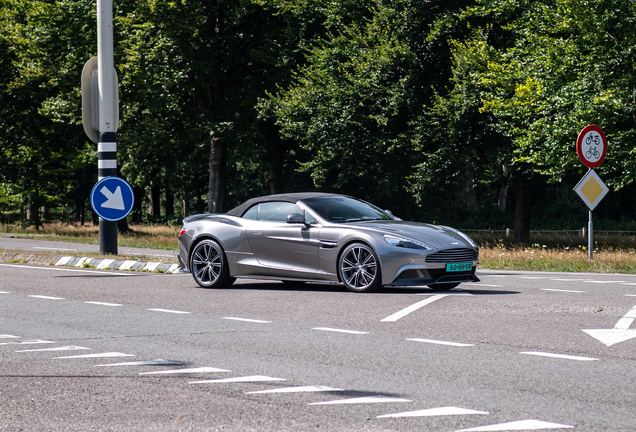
(558, 252)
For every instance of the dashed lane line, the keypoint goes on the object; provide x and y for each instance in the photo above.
(102, 303)
(169, 311)
(300, 389)
(244, 379)
(561, 290)
(6, 336)
(362, 400)
(247, 320)
(28, 342)
(62, 348)
(110, 273)
(435, 412)
(158, 362)
(186, 371)
(97, 355)
(404, 312)
(329, 329)
(518, 426)
(559, 356)
(46, 297)
(438, 342)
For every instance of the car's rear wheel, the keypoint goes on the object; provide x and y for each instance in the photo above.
(209, 266)
(443, 286)
(359, 268)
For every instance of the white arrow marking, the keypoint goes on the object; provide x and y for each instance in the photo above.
(620, 333)
(518, 425)
(433, 412)
(113, 200)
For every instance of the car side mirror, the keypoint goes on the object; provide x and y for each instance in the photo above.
(296, 218)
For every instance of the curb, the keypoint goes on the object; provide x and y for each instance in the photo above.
(114, 264)
(57, 259)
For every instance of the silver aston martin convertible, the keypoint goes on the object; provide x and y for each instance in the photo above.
(300, 237)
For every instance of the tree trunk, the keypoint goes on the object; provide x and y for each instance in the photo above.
(154, 208)
(275, 156)
(218, 162)
(503, 191)
(523, 192)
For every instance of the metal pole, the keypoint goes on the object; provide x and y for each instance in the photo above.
(590, 240)
(107, 145)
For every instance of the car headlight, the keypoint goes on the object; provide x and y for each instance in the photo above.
(405, 243)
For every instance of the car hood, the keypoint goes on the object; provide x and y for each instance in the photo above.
(437, 236)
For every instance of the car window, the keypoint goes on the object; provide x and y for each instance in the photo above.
(276, 211)
(345, 209)
(252, 213)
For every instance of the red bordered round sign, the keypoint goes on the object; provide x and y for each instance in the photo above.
(591, 146)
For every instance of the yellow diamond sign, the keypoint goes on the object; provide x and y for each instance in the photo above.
(591, 189)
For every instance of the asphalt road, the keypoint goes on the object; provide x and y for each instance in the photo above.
(83, 349)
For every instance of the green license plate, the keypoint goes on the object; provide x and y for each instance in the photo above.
(457, 267)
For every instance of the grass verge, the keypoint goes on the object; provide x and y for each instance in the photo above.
(554, 252)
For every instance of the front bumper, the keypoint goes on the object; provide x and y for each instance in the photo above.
(415, 277)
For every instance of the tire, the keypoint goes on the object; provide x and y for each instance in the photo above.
(209, 266)
(443, 286)
(359, 268)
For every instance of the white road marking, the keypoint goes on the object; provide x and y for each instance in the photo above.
(98, 355)
(49, 248)
(102, 304)
(252, 378)
(190, 370)
(63, 348)
(560, 356)
(144, 363)
(4, 336)
(46, 297)
(433, 412)
(628, 283)
(561, 290)
(438, 342)
(247, 320)
(5, 292)
(518, 425)
(169, 311)
(568, 280)
(362, 400)
(28, 342)
(404, 312)
(356, 332)
(620, 333)
(603, 282)
(301, 389)
(110, 273)
(630, 295)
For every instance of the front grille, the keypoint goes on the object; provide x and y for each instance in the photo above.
(453, 256)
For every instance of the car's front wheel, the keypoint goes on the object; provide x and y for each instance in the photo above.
(209, 266)
(359, 268)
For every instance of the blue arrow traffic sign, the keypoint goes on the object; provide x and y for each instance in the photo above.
(112, 199)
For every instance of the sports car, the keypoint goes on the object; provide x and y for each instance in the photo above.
(303, 237)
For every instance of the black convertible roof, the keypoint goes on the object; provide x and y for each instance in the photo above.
(289, 197)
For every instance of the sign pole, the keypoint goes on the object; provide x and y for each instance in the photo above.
(590, 241)
(107, 145)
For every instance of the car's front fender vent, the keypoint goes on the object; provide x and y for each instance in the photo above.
(453, 256)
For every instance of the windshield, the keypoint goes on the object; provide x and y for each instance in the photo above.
(345, 209)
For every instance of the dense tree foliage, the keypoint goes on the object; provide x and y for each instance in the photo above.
(461, 112)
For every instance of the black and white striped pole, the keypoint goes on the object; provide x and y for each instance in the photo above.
(100, 117)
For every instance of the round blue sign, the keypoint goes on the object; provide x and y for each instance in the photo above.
(112, 199)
